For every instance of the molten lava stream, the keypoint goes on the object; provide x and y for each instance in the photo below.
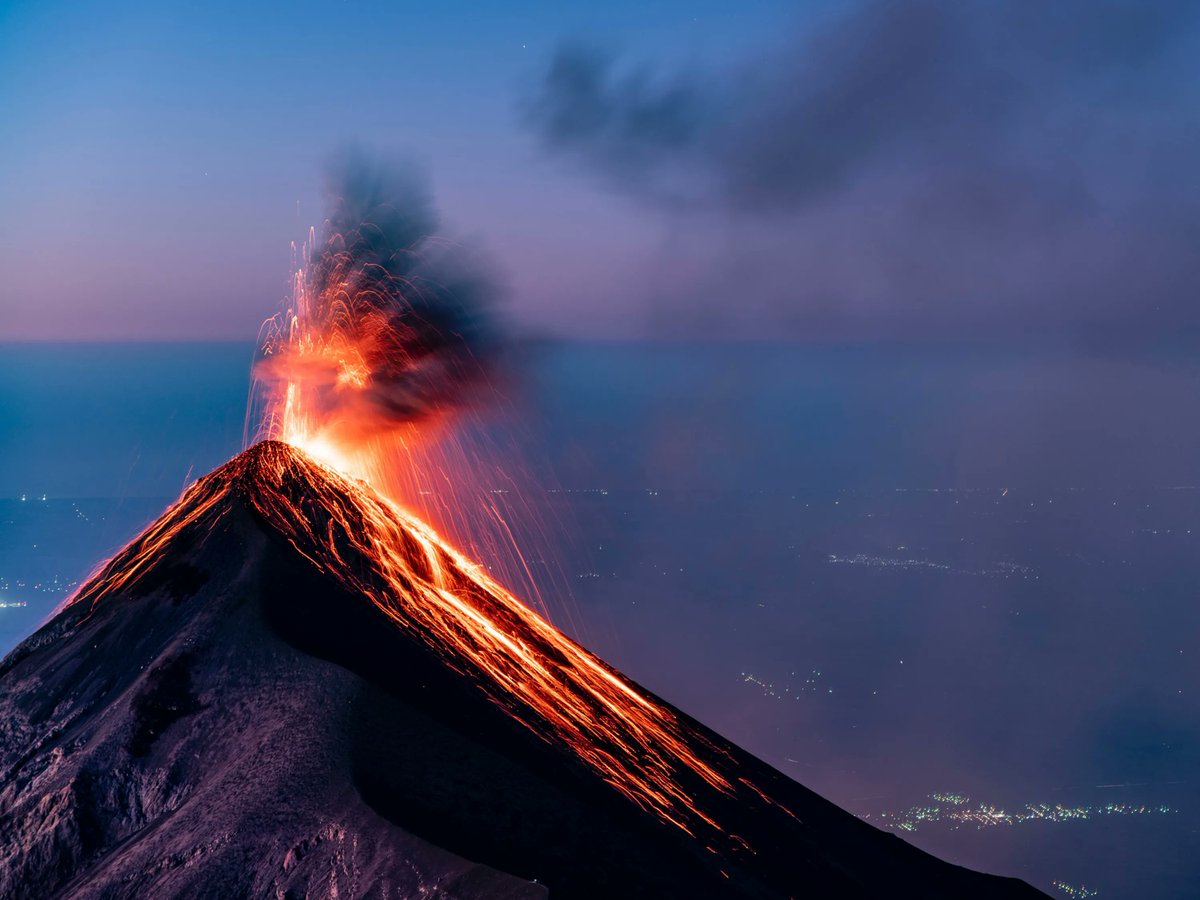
(374, 548)
(434, 591)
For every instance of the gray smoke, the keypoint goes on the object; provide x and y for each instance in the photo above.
(924, 158)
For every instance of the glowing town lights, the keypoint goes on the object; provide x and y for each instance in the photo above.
(957, 811)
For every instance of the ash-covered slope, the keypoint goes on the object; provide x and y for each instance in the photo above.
(289, 688)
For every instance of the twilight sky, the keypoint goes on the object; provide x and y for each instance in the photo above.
(709, 168)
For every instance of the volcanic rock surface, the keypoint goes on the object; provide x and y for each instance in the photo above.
(246, 703)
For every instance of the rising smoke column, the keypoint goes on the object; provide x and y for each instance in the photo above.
(389, 327)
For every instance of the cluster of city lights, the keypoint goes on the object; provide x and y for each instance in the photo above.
(55, 585)
(1076, 892)
(1000, 569)
(807, 686)
(959, 811)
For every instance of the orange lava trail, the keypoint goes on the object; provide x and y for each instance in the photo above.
(431, 590)
(374, 548)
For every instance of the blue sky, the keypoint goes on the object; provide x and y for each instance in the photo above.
(726, 168)
(158, 158)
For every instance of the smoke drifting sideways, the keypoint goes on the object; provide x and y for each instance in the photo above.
(390, 328)
(912, 168)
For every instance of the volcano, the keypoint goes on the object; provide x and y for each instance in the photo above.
(289, 687)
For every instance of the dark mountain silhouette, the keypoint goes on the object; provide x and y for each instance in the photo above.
(288, 688)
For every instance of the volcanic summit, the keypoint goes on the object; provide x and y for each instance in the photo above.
(289, 687)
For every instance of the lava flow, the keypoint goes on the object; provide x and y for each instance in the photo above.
(376, 549)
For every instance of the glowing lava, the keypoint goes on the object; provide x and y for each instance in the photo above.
(373, 548)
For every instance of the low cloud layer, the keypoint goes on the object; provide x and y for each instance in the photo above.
(917, 164)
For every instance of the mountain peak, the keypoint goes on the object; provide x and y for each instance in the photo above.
(389, 695)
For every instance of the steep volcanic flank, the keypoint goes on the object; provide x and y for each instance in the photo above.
(289, 687)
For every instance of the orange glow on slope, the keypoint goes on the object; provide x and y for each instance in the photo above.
(374, 548)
